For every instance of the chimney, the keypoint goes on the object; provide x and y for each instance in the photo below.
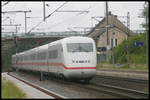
(109, 13)
(115, 16)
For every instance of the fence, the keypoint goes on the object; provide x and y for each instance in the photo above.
(101, 58)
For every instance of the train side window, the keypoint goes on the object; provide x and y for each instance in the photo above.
(25, 58)
(49, 54)
(20, 58)
(41, 56)
(52, 54)
(61, 49)
(28, 58)
(38, 56)
(34, 56)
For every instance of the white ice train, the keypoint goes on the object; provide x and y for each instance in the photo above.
(72, 57)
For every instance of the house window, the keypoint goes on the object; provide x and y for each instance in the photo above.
(112, 42)
(113, 33)
(116, 42)
(100, 43)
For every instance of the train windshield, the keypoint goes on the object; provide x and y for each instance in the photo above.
(80, 47)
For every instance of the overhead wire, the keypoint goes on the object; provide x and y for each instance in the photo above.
(5, 3)
(57, 9)
(48, 16)
(67, 19)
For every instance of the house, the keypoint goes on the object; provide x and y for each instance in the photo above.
(117, 32)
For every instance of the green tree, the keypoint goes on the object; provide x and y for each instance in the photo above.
(145, 13)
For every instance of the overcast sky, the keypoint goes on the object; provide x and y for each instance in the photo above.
(62, 21)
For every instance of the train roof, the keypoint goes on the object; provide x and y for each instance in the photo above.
(77, 39)
(73, 39)
(43, 47)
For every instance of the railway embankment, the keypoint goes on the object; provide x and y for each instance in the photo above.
(135, 74)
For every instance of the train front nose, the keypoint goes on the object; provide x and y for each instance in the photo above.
(80, 60)
(81, 73)
(81, 68)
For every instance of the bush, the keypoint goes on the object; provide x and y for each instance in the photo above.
(138, 59)
(136, 54)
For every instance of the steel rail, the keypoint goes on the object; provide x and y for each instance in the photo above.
(143, 81)
(130, 93)
(57, 96)
(128, 71)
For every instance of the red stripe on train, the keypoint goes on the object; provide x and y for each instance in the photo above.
(57, 64)
(80, 67)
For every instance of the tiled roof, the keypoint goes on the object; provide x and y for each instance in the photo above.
(120, 26)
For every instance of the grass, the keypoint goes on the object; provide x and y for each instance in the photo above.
(125, 67)
(10, 90)
(135, 67)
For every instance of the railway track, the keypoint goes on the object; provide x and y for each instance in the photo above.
(141, 81)
(128, 71)
(123, 79)
(118, 91)
(123, 82)
(109, 89)
(125, 87)
(48, 92)
(115, 91)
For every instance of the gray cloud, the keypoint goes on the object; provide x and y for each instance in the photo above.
(61, 21)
